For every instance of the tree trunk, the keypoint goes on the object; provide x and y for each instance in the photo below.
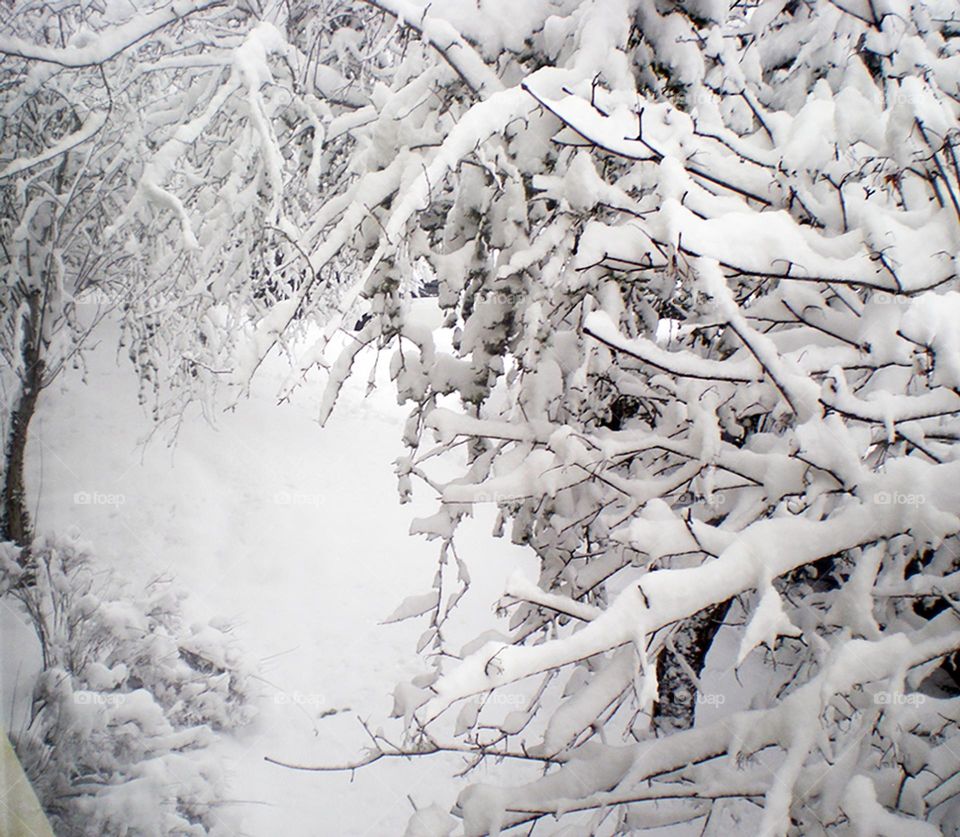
(677, 693)
(15, 518)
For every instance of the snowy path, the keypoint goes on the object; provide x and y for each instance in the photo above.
(295, 534)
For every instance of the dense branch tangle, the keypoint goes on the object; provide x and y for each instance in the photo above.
(700, 328)
(700, 294)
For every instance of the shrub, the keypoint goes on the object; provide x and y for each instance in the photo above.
(129, 696)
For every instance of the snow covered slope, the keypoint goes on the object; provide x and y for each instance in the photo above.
(295, 534)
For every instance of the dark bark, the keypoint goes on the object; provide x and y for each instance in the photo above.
(15, 518)
(677, 693)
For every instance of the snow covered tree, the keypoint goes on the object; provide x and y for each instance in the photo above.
(105, 215)
(67, 109)
(698, 263)
(156, 165)
(698, 267)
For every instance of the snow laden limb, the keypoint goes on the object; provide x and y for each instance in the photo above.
(692, 301)
(686, 765)
(667, 596)
(444, 37)
(767, 623)
(677, 363)
(108, 44)
(88, 130)
(522, 590)
(483, 120)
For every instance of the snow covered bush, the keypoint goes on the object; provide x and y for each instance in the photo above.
(129, 696)
(698, 264)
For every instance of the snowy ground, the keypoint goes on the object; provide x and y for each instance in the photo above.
(296, 534)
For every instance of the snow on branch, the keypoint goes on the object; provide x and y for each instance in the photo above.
(91, 126)
(697, 289)
(443, 37)
(110, 43)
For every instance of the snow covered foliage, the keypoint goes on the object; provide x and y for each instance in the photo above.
(69, 102)
(244, 133)
(129, 696)
(160, 162)
(698, 263)
(698, 267)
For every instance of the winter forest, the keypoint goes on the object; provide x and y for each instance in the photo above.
(480, 417)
